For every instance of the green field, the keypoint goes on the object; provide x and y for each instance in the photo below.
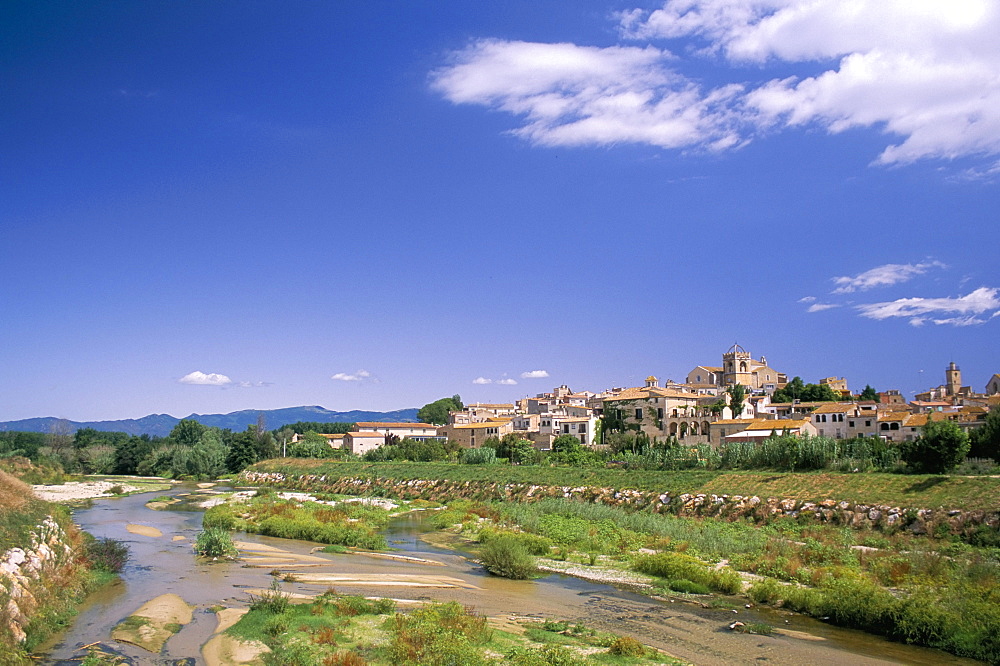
(903, 490)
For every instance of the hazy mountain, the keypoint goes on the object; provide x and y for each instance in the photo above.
(162, 424)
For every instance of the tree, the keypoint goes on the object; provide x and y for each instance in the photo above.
(737, 395)
(940, 448)
(187, 432)
(242, 450)
(869, 394)
(437, 412)
(311, 446)
(796, 390)
(985, 440)
(130, 453)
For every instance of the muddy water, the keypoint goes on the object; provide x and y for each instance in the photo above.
(161, 565)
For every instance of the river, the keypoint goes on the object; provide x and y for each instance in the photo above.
(166, 564)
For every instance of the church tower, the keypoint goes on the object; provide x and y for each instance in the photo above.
(737, 367)
(952, 380)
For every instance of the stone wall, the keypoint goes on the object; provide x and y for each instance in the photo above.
(25, 575)
(919, 520)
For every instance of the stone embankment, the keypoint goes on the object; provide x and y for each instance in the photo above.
(919, 520)
(27, 573)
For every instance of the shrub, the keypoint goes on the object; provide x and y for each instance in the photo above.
(216, 542)
(507, 556)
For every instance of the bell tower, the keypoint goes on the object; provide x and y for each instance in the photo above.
(952, 380)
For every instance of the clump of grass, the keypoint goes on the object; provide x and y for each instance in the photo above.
(626, 646)
(216, 542)
(335, 548)
(116, 490)
(680, 567)
(273, 600)
(108, 555)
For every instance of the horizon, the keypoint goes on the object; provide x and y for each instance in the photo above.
(367, 206)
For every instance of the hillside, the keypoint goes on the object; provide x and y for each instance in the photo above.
(162, 424)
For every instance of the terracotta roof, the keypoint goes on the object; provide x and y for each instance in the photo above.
(833, 408)
(732, 421)
(478, 426)
(643, 392)
(777, 424)
(356, 435)
(487, 405)
(386, 424)
(332, 435)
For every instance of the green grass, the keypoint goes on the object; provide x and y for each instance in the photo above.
(921, 491)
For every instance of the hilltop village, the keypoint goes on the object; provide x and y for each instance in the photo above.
(742, 400)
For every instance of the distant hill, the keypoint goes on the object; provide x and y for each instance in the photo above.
(162, 424)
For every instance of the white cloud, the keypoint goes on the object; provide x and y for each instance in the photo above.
(482, 380)
(807, 299)
(199, 378)
(922, 71)
(572, 95)
(534, 374)
(819, 307)
(507, 381)
(968, 309)
(883, 276)
(356, 377)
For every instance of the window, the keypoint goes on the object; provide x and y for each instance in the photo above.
(638, 415)
(583, 427)
(659, 412)
(884, 426)
(850, 423)
(565, 428)
(868, 424)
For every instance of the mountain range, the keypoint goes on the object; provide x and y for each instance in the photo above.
(161, 424)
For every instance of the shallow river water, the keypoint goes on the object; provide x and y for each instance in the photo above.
(166, 564)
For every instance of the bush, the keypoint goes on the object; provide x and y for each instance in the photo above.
(216, 542)
(507, 556)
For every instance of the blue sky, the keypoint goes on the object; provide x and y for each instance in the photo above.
(218, 206)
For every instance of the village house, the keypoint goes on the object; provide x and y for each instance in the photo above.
(360, 443)
(474, 435)
(761, 429)
(414, 431)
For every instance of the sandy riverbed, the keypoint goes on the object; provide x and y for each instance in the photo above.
(81, 490)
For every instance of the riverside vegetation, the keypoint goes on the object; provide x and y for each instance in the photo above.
(938, 589)
(341, 630)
